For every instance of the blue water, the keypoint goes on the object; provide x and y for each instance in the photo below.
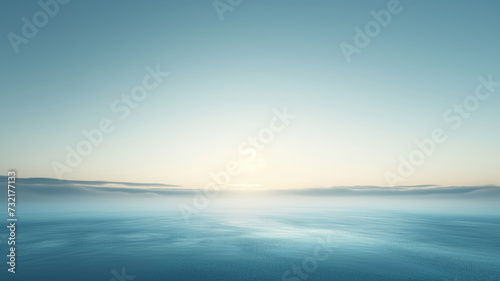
(256, 244)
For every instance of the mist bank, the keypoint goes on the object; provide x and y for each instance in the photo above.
(46, 193)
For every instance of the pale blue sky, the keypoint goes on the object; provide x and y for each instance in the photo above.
(353, 120)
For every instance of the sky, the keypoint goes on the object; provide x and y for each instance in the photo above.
(226, 80)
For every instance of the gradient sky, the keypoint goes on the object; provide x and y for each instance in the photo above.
(226, 77)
